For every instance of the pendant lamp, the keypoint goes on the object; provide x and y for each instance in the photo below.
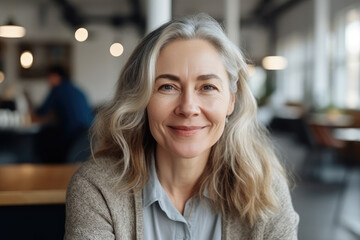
(12, 30)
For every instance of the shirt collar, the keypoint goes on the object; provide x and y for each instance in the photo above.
(153, 191)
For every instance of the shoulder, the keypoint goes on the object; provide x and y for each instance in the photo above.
(95, 183)
(100, 175)
(283, 222)
(281, 187)
(64, 88)
(96, 170)
(94, 203)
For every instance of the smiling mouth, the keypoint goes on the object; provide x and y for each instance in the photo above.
(186, 130)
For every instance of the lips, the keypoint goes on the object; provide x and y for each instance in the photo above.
(186, 130)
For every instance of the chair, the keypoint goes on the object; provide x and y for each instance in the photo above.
(324, 158)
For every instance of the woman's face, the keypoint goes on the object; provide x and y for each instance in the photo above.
(191, 99)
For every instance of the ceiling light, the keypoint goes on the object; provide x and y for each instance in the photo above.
(2, 76)
(116, 49)
(11, 30)
(81, 34)
(26, 59)
(274, 63)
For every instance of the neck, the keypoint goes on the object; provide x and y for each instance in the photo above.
(179, 176)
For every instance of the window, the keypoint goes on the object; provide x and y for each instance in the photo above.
(292, 82)
(346, 90)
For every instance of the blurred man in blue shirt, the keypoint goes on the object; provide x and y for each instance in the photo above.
(66, 106)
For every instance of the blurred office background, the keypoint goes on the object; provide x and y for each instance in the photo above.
(304, 62)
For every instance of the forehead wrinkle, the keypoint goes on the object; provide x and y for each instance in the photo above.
(209, 76)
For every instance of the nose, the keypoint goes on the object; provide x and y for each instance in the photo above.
(188, 105)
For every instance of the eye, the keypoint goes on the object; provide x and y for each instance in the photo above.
(166, 88)
(208, 88)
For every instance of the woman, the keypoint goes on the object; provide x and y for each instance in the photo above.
(178, 151)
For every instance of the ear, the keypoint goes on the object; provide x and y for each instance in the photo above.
(231, 105)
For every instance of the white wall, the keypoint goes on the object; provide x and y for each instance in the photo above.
(94, 69)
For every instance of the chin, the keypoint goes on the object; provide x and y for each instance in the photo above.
(191, 152)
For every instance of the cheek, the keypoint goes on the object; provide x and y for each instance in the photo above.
(216, 107)
(153, 112)
(153, 120)
(158, 110)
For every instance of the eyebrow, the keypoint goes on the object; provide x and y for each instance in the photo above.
(168, 76)
(208, 76)
(201, 77)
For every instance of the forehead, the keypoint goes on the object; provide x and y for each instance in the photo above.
(193, 53)
(180, 45)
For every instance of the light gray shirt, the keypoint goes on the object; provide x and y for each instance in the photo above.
(163, 221)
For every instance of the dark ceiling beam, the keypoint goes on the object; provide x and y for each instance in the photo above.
(262, 7)
(75, 18)
(137, 16)
(267, 12)
(70, 13)
(280, 10)
(114, 20)
(257, 15)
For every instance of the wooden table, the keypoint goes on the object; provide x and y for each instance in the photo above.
(332, 121)
(30, 184)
